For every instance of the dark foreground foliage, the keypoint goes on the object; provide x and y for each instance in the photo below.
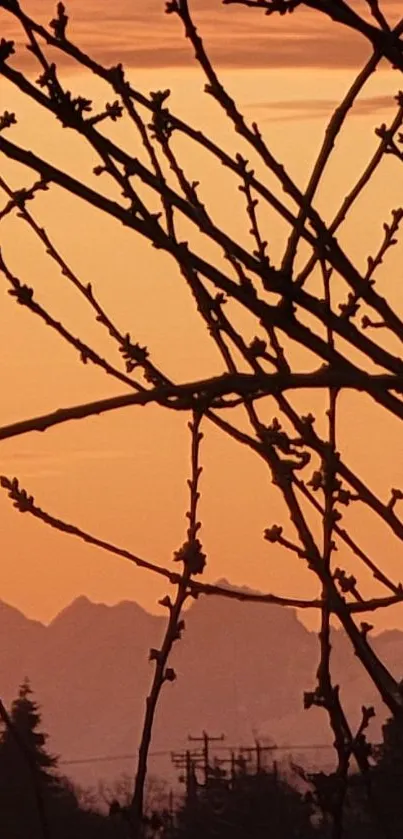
(36, 802)
(242, 797)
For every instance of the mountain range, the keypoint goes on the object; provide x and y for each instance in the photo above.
(241, 670)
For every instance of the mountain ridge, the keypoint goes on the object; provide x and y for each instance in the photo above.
(242, 669)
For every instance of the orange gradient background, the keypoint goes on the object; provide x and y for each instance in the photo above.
(123, 476)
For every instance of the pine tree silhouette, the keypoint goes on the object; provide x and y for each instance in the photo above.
(26, 719)
(36, 802)
(27, 770)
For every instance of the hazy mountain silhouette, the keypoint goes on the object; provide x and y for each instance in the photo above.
(242, 669)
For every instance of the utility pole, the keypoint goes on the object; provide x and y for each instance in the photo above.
(171, 809)
(206, 739)
(188, 761)
(258, 750)
(233, 762)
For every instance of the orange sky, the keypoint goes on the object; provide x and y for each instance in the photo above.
(123, 476)
(142, 35)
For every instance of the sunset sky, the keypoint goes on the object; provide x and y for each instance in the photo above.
(123, 476)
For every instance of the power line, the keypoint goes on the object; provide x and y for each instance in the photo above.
(104, 758)
(168, 752)
(98, 759)
(206, 739)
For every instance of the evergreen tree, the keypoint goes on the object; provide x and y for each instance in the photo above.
(35, 801)
(27, 770)
(23, 742)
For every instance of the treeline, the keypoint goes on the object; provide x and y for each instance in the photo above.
(249, 800)
(243, 797)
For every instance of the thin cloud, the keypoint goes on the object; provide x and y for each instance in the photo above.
(65, 456)
(288, 110)
(141, 34)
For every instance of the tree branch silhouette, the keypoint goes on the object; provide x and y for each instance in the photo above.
(350, 331)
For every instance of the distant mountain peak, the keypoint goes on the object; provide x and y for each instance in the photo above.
(242, 667)
(10, 613)
(83, 609)
(77, 606)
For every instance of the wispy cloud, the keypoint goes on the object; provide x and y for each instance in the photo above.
(288, 110)
(52, 459)
(141, 34)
